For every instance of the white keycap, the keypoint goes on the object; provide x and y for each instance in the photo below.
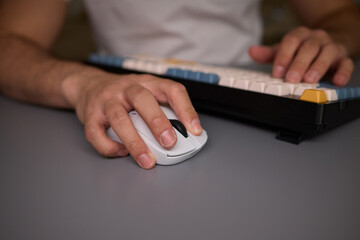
(149, 67)
(129, 64)
(227, 81)
(241, 84)
(160, 69)
(330, 94)
(291, 86)
(302, 87)
(258, 86)
(140, 65)
(277, 89)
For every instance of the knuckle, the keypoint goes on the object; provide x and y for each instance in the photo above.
(108, 151)
(90, 133)
(188, 111)
(136, 91)
(89, 108)
(131, 75)
(321, 33)
(313, 44)
(132, 145)
(295, 40)
(111, 92)
(158, 121)
(331, 47)
(117, 116)
(104, 93)
(145, 77)
(321, 65)
(303, 29)
(178, 88)
(350, 63)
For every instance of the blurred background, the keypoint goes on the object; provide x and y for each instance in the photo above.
(75, 41)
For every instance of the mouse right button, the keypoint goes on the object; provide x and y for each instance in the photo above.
(200, 140)
(183, 146)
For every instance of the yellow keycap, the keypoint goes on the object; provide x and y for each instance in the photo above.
(179, 62)
(314, 95)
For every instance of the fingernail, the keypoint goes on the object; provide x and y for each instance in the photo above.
(146, 161)
(312, 76)
(167, 138)
(196, 126)
(293, 76)
(123, 152)
(279, 71)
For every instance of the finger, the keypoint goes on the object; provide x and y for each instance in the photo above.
(328, 55)
(176, 96)
(180, 102)
(95, 133)
(263, 54)
(123, 127)
(287, 50)
(306, 53)
(146, 105)
(344, 71)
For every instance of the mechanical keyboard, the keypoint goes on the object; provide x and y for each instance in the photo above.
(297, 111)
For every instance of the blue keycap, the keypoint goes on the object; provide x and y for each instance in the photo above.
(114, 61)
(109, 60)
(181, 73)
(347, 92)
(94, 58)
(192, 75)
(357, 92)
(213, 78)
(209, 78)
(172, 72)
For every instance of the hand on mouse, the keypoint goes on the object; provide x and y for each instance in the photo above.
(102, 100)
(306, 55)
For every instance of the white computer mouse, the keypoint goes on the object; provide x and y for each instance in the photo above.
(187, 145)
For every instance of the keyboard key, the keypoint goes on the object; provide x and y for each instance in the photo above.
(299, 90)
(330, 94)
(277, 89)
(258, 86)
(314, 95)
(226, 81)
(224, 76)
(241, 84)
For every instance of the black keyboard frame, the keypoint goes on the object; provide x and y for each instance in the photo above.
(293, 119)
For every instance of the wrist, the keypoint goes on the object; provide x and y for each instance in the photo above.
(75, 82)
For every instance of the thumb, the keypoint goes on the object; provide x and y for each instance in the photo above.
(263, 54)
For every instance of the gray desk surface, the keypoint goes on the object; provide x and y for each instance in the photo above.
(243, 185)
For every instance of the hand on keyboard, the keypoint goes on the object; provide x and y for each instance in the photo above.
(306, 55)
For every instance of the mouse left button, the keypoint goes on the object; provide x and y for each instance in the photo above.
(179, 126)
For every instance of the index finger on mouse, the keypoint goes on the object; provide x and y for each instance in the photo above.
(176, 96)
(180, 102)
(122, 125)
(148, 108)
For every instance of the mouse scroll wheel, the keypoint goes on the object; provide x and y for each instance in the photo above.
(179, 126)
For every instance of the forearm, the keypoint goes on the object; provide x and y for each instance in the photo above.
(29, 73)
(344, 27)
(340, 19)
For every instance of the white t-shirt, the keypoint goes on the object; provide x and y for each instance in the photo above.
(207, 31)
